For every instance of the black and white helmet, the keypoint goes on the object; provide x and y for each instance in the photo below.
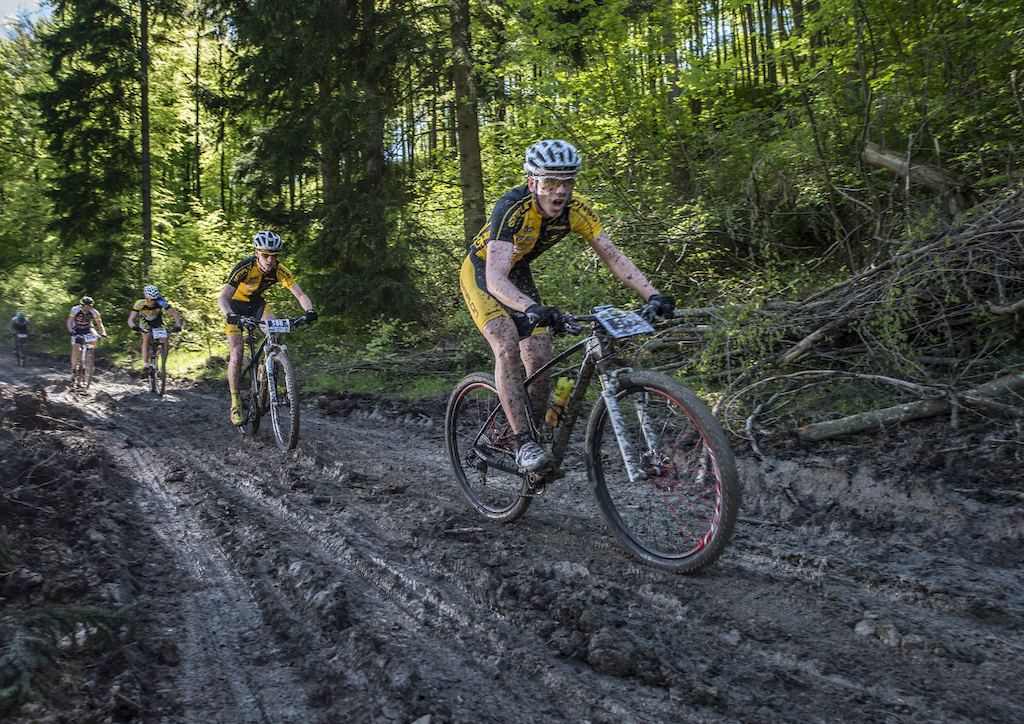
(552, 158)
(267, 241)
(150, 291)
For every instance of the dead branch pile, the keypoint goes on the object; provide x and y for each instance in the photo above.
(938, 316)
(934, 304)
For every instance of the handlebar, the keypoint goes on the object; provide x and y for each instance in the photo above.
(253, 323)
(571, 323)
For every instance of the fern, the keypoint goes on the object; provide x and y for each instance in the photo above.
(29, 639)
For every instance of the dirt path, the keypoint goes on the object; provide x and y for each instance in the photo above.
(347, 581)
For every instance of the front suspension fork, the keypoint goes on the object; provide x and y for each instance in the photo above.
(609, 391)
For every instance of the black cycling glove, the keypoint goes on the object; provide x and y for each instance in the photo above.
(177, 328)
(231, 318)
(311, 315)
(541, 316)
(662, 305)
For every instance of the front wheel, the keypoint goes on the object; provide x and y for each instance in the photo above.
(160, 373)
(481, 450)
(250, 405)
(681, 515)
(20, 352)
(89, 365)
(284, 403)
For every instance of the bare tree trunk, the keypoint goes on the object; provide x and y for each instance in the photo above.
(471, 175)
(147, 201)
(956, 195)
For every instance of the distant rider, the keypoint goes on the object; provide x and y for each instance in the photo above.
(20, 324)
(149, 313)
(242, 296)
(83, 319)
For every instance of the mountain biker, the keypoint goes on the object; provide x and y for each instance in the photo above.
(502, 297)
(243, 296)
(83, 319)
(149, 311)
(20, 324)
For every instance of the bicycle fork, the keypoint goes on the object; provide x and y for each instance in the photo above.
(609, 390)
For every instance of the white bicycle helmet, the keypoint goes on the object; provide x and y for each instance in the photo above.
(150, 291)
(267, 241)
(552, 157)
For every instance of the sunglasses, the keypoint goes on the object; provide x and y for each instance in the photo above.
(550, 184)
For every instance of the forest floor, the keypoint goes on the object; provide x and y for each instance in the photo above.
(878, 579)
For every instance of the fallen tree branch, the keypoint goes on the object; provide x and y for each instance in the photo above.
(980, 396)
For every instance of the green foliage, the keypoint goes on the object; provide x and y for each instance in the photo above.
(30, 638)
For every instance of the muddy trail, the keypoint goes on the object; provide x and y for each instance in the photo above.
(874, 580)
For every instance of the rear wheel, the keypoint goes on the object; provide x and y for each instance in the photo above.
(481, 450)
(681, 515)
(283, 397)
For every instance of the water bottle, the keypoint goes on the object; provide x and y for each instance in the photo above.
(562, 390)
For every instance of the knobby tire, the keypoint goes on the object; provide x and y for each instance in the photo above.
(481, 450)
(89, 366)
(284, 407)
(249, 401)
(160, 374)
(21, 352)
(682, 516)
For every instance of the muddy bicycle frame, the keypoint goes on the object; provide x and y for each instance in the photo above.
(666, 485)
(263, 395)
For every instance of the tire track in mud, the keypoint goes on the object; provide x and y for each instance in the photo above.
(433, 603)
(371, 578)
(220, 619)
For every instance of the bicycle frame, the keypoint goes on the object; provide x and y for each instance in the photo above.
(597, 357)
(261, 362)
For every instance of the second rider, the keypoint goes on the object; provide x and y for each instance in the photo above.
(242, 296)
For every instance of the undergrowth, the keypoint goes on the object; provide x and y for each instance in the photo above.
(31, 638)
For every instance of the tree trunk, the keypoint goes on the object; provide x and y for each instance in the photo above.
(910, 411)
(956, 196)
(471, 174)
(147, 201)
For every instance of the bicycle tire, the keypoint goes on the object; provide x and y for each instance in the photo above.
(682, 516)
(481, 450)
(89, 364)
(160, 374)
(151, 372)
(284, 414)
(20, 352)
(249, 402)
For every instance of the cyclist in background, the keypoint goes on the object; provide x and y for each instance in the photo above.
(149, 312)
(502, 297)
(83, 319)
(20, 324)
(242, 296)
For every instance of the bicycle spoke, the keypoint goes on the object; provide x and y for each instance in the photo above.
(481, 450)
(679, 511)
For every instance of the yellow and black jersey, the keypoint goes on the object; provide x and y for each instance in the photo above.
(250, 282)
(152, 315)
(516, 219)
(83, 319)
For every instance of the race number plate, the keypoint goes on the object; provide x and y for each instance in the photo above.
(279, 325)
(22, 336)
(91, 338)
(621, 323)
(159, 333)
